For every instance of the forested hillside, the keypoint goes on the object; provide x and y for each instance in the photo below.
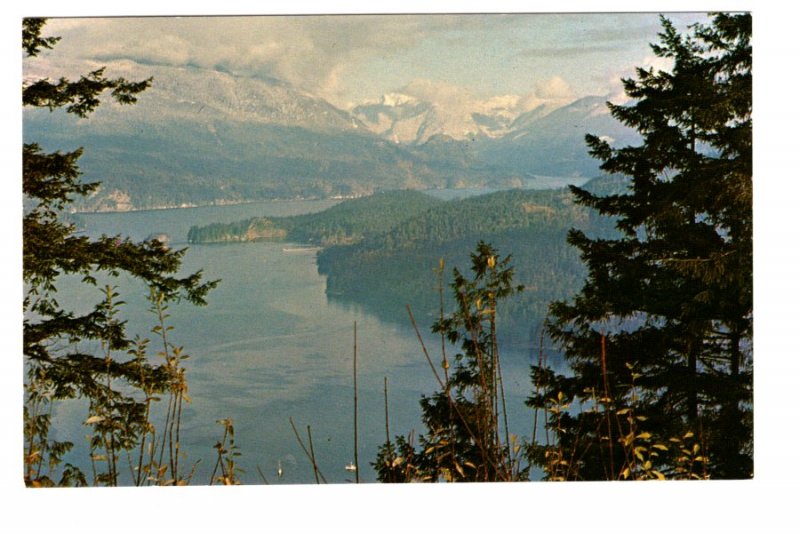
(400, 265)
(345, 223)
(386, 247)
(239, 139)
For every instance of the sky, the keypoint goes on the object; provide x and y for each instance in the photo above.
(350, 59)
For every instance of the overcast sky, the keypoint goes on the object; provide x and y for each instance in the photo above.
(350, 59)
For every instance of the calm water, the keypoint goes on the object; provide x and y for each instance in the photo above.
(531, 182)
(269, 346)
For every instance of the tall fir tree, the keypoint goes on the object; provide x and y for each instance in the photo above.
(68, 353)
(663, 324)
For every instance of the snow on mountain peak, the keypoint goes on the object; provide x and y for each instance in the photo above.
(397, 99)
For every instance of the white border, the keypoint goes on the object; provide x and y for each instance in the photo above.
(765, 504)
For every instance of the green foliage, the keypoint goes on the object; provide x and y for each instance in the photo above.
(227, 452)
(626, 450)
(397, 265)
(467, 437)
(32, 40)
(60, 344)
(671, 297)
(346, 223)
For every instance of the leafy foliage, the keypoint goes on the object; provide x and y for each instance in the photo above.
(227, 452)
(467, 436)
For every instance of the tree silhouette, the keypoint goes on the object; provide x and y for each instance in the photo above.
(663, 323)
(58, 362)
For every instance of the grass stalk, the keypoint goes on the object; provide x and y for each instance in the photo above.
(451, 402)
(220, 454)
(355, 401)
(148, 401)
(313, 458)
(305, 450)
(607, 402)
(182, 385)
(540, 363)
(386, 410)
(261, 475)
(501, 388)
(445, 363)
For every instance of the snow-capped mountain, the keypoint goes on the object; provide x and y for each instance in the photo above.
(553, 143)
(448, 111)
(201, 136)
(403, 118)
(207, 96)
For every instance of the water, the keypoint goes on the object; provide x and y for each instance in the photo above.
(270, 346)
(531, 182)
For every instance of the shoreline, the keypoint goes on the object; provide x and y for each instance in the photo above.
(197, 206)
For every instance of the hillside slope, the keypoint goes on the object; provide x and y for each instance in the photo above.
(399, 265)
(200, 136)
(346, 223)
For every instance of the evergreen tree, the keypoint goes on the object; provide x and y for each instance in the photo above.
(467, 437)
(663, 324)
(56, 338)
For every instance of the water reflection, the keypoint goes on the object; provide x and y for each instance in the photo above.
(271, 345)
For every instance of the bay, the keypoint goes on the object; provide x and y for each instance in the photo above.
(269, 346)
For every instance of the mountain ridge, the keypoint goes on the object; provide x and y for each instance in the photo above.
(201, 136)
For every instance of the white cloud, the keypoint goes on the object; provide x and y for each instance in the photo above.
(437, 92)
(551, 93)
(346, 57)
(554, 89)
(311, 52)
(618, 97)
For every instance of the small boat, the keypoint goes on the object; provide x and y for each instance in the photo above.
(350, 467)
(302, 249)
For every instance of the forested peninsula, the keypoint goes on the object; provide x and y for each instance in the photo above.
(345, 223)
(389, 246)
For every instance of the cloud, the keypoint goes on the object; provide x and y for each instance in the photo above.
(647, 29)
(312, 52)
(348, 58)
(457, 102)
(569, 51)
(436, 91)
(552, 92)
(554, 89)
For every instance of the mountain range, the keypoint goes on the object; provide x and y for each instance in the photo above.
(201, 136)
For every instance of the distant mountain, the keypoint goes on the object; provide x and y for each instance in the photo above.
(553, 143)
(546, 140)
(406, 119)
(204, 137)
(524, 120)
(200, 136)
